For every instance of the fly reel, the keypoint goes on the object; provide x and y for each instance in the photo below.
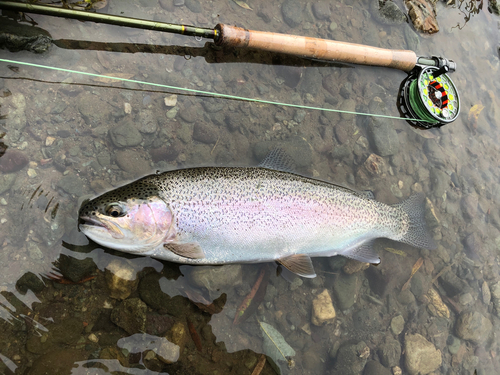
(429, 94)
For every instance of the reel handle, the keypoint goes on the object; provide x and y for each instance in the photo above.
(323, 49)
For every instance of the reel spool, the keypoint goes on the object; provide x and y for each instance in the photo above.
(429, 94)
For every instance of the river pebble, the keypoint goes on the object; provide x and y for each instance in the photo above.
(473, 326)
(292, 11)
(121, 278)
(130, 315)
(421, 356)
(323, 310)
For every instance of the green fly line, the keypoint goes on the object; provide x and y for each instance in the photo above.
(417, 104)
(209, 93)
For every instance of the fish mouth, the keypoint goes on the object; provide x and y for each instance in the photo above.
(91, 222)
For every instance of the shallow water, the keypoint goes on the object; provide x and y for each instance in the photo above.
(108, 312)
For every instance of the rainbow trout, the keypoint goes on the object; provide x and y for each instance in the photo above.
(218, 215)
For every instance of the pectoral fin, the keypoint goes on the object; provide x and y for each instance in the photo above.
(190, 250)
(299, 264)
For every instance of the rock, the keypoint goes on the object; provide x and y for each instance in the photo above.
(170, 101)
(16, 120)
(166, 153)
(348, 105)
(292, 11)
(132, 162)
(194, 6)
(76, 269)
(349, 360)
(121, 278)
(72, 184)
(188, 114)
(30, 281)
(92, 109)
(156, 290)
(168, 352)
(345, 290)
(453, 285)
(375, 165)
(397, 324)
(421, 357)
(146, 122)
(434, 153)
(375, 368)
(387, 12)
(312, 81)
(205, 133)
(323, 310)
(6, 182)
(168, 5)
(212, 105)
(390, 352)
(366, 321)
(485, 293)
(440, 182)
(411, 37)
(383, 136)
(130, 315)
(469, 205)
(321, 10)
(473, 326)
(12, 160)
(125, 135)
(419, 284)
(453, 344)
(423, 15)
(19, 37)
(215, 278)
(436, 305)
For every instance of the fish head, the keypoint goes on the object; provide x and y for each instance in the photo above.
(133, 219)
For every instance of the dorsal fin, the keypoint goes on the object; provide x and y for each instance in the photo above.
(278, 160)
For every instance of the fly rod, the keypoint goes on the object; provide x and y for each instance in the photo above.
(428, 93)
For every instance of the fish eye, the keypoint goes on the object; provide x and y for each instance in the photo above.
(114, 210)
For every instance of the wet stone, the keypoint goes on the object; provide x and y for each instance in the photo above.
(292, 11)
(213, 105)
(473, 326)
(411, 37)
(397, 324)
(349, 361)
(125, 135)
(6, 182)
(419, 285)
(121, 278)
(344, 290)
(321, 10)
(168, 5)
(387, 12)
(146, 122)
(188, 114)
(130, 315)
(390, 352)
(375, 368)
(194, 6)
(132, 162)
(469, 205)
(383, 136)
(72, 184)
(323, 310)
(12, 160)
(205, 133)
(30, 281)
(421, 356)
(434, 152)
(440, 182)
(215, 279)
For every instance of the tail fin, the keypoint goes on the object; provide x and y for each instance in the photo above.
(418, 234)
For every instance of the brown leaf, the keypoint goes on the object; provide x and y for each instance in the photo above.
(260, 365)
(414, 269)
(474, 115)
(254, 298)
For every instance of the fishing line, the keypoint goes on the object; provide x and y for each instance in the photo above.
(208, 93)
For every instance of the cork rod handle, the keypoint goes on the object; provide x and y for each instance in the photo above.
(323, 49)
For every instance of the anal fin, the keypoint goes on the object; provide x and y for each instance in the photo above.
(299, 264)
(363, 253)
(190, 250)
